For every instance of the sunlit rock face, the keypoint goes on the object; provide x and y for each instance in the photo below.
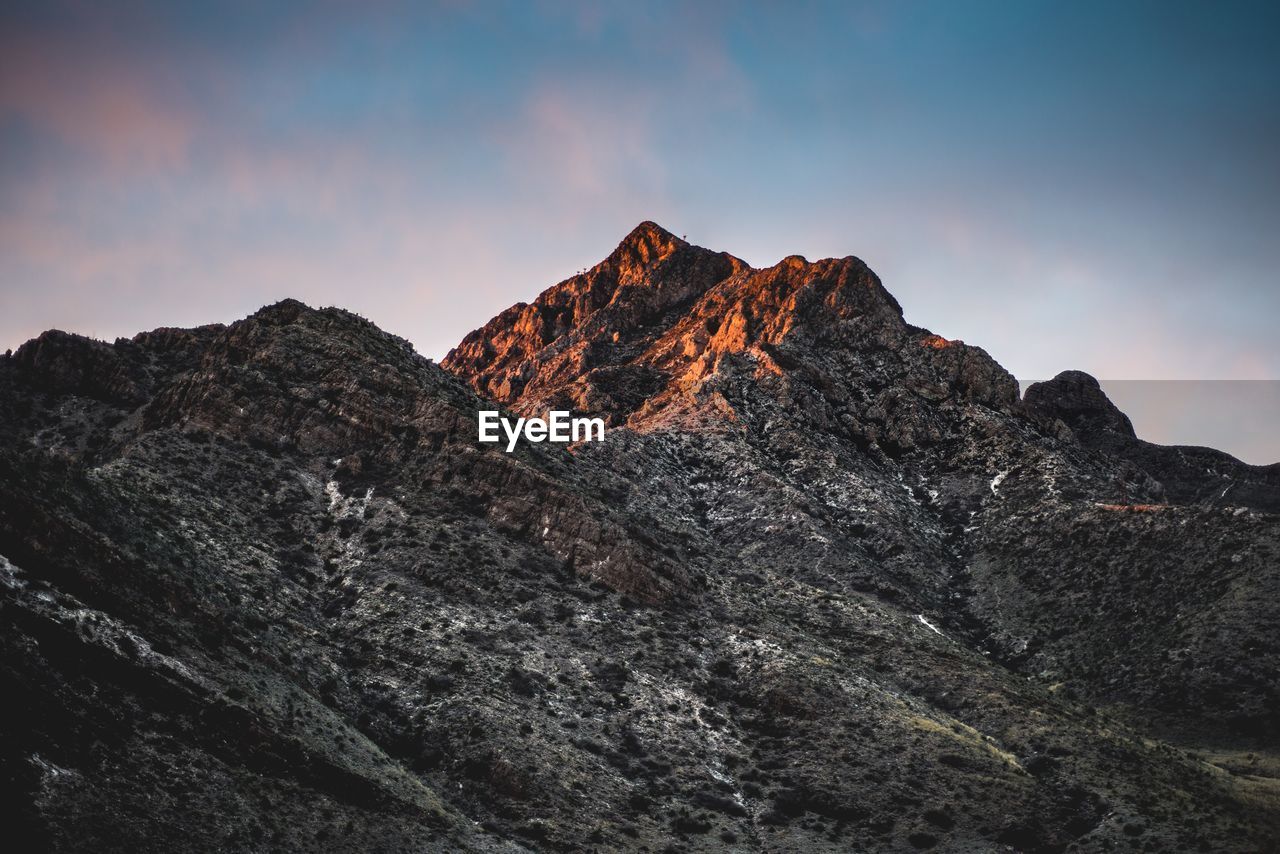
(591, 323)
(827, 584)
(660, 320)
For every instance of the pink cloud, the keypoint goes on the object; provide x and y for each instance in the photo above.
(93, 100)
(588, 146)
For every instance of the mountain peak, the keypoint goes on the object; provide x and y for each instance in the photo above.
(650, 233)
(1079, 401)
(646, 331)
(624, 299)
(645, 245)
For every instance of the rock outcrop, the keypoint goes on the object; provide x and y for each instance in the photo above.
(1186, 475)
(827, 585)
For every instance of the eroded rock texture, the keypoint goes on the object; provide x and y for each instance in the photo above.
(828, 585)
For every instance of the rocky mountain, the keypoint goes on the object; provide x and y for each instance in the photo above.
(828, 584)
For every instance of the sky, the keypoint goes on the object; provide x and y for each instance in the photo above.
(1074, 185)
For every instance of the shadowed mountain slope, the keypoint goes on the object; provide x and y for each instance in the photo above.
(828, 584)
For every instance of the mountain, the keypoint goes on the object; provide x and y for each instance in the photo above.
(828, 584)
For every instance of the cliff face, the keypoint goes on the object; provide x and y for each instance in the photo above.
(827, 584)
(646, 334)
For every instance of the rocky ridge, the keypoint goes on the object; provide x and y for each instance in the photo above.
(829, 584)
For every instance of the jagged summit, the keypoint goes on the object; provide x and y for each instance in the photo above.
(646, 244)
(653, 328)
(636, 289)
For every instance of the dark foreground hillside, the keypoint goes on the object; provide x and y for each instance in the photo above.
(829, 584)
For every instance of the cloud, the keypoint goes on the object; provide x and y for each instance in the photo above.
(93, 100)
(581, 144)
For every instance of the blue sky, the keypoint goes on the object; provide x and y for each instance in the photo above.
(1069, 185)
